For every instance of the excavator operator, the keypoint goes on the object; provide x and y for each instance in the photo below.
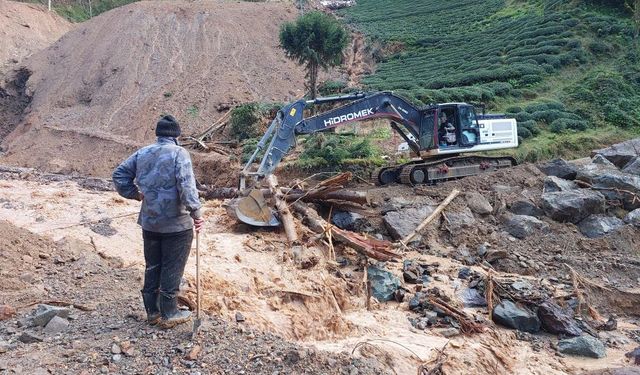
(446, 131)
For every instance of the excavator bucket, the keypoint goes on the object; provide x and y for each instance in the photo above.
(254, 210)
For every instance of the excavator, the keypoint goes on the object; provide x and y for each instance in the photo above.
(439, 134)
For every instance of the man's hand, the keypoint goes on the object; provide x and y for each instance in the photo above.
(198, 224)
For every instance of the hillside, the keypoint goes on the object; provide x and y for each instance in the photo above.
(97, 92)
(568, 69)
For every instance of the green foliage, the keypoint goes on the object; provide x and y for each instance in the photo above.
(332, 150)
(79, 10)
(332, 87)
(244, 121)
(193, 110)
(248, 147)
(315, 40)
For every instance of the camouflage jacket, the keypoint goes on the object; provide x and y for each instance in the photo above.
(162, 172)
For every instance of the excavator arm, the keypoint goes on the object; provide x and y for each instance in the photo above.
(290, 122)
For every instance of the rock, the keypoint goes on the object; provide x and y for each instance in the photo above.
(633, 167)
(521, 226)
(502, 188)
(478, 203)
(553, 183)
(115, 349)
(585, 346)
(510, 315)
(634, 355)
(383, 283)
(459, 220)
(599, 159)
(493, 255)
(403, 222)
(414, 273)
(599, 225)
(116, 358)
(614, 185)
(449, 332)
(525, 207)
(482, 249)
(573, 205)
(239, 317)
(29, 338)
(471, 297)
(44, 313)
(350, 221)
(194, 353)
(464, 273)
(632, 218)
(588, 171)
(555, 320)
(6, 312)
(559, 168)
(621, 154)
(56, 325)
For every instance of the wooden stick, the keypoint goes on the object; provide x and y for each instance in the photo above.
(287, 219)
(430, 218)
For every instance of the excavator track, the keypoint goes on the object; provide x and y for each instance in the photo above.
(429, 172)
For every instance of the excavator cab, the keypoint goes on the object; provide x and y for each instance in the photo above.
(456, 126)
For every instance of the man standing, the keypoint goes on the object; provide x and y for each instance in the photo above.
(161, 176)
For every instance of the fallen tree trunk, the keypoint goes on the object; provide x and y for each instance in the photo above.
(373, 248)
(292, 195)
(282, 207)
(454, 193)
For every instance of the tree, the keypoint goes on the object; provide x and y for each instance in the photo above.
(315, 40)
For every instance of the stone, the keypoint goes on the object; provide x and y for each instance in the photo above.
(115, 349)
(622, 153)
(478, 203)
(493, 255)
(414, 273)
(239, 317)
(502, 188)
(383, 283)
(633, 217)
(553, 183)
(350, 221)
(588, 171)
(116, 358)
(525, 207)
(29, 338)
(556, 320)
(194, 353)
(634, 355)
(460, 220)
(522, 226)
(559, 168)
(449, 332)
(573, 205)
(633, 167)
(510, 315)
(6, 312)
(44, 313)
(596, 226)
(614, 185)
(56, 325)
(471, 297)
(599, 159)
(585, 346)
(403, 222)
(464, 273)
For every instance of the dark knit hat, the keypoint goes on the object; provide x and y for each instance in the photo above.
(168, 127)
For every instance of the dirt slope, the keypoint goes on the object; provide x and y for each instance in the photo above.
(25, 29)
(98, 92)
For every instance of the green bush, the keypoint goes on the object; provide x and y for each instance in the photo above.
(244, 122)
(327, 149)
(565, 123)
(524, 132)
(332, 87)
(513, 109)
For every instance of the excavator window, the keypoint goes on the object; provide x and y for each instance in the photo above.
(469, 132)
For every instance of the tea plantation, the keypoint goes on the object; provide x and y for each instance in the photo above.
(560, 68)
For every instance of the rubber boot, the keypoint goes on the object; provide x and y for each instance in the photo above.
(152, 307)
(171, 316)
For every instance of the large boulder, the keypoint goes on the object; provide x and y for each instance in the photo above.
(478, 203)
(587, 172)
(402, 222)
(553, 183)
(521, 226)
(350, 221)
(599, 159)
(585, 346)
(510, 315)
(616, 185)
(621, 154)
(559, 168)
(633, 218)
(555, 320)
(383, 283)
(633, 167)
(525, 207)
(459, 220)
(596, 226)
(573, 205)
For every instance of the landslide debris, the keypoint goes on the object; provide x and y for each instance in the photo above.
(97, 92)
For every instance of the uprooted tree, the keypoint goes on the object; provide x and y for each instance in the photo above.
(315, 40)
